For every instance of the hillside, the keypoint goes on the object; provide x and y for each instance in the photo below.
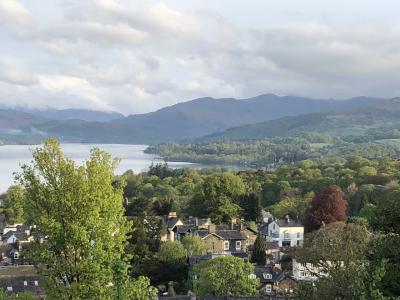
(361, 122)
(188, 120)
(76, 114)
(204, 116)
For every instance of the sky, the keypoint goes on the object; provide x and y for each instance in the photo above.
(136, 56)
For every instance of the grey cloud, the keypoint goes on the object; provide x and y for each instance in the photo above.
(107, 54)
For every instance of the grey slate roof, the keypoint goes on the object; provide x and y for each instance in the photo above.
(230, 234)
(289, 223)
(277, 274)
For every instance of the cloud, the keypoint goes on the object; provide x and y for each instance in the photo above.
(14, 72)
(13, 13)
(111, 54)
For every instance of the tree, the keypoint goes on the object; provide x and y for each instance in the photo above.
(220, 194)
(259, 255)
(128, 289)
(251, 206)
(224, 276)
(193, 245)
(81, 212)
(13, 201)
(327, 207)
(171, 252)
(339, 251)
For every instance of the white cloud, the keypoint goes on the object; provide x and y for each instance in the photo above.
(137, 56)
(14, 72)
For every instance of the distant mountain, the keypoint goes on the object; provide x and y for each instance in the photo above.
(203, 116)
(188, 120)
(75, 114)
(381, 120)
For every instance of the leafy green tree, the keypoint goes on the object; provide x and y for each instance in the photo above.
(128, 289)
(12, 202)
(259, 255)
(81, 213)
(171, 252)
(224, 276)
(220, 194)
(193, 245)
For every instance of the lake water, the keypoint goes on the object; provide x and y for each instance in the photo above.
(132, 158)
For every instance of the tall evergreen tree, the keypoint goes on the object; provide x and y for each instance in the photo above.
(259, 256)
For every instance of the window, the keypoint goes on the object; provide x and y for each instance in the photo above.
(36, 283)
(267, 276)
(298, 235)
(302, 274)
(273, 226)
(252, 276)
(226, 245)
(25, 283)
(9, 289)
(298, 243)
(268, 288)
(238, 245)
(286, 235)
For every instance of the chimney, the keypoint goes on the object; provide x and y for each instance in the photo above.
(172, 214)
(287, 218)
(211, 228)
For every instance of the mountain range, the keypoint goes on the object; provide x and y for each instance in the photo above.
(188, 120)
(377, 121)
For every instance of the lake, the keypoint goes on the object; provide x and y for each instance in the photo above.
(132, 158)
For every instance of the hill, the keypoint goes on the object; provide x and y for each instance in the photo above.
(361, 122)
(75, 114)
(188, 120)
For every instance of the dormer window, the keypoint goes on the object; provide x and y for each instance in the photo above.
(226, 245)
(267, 276)
(252, 276)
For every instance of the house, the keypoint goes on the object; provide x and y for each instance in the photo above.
(273, 252)
(287, 232)
(269, 277)
(171, 223)
(17, 279)
(266, 217)
(218, 239)
(12, 237)
(305, 271)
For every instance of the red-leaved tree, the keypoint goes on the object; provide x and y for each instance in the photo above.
(327, 207)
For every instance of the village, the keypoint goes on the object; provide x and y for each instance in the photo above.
(17, 274)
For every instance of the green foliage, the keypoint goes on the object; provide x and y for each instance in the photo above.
(172, 252)
(12, 203)
(224, 276)
(80, 211)
(258, 254)
(193, 245)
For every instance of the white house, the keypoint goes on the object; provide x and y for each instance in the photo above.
(306, 271)
(287, 232)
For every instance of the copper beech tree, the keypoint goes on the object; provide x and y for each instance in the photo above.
(327, 207)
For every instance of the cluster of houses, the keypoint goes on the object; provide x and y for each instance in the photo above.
(218, 240)
(16, 273)
(237, 240)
